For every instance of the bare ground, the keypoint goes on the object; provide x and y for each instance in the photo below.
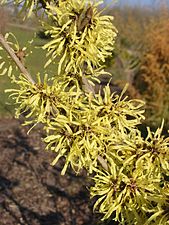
(31, 191)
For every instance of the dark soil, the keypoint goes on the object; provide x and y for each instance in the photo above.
(31, 191)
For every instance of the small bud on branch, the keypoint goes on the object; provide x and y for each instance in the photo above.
(14, 57)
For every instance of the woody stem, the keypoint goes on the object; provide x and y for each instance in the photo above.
(19, 64)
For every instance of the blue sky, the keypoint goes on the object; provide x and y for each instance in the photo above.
(144, 2)
(147, 2)
(135, 2)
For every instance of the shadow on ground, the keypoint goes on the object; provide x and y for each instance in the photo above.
(31, 191)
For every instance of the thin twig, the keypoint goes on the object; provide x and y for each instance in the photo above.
(15, 59)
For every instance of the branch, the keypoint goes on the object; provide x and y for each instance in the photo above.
(87, 86)
(19, 64)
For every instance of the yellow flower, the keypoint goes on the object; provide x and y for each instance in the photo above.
(80, 35)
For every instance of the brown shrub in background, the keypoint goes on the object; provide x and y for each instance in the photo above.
(3, 19)
(152, 80)
(141, 57)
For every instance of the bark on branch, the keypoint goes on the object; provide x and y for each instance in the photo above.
(13, 56)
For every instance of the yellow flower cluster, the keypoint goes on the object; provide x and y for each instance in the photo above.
(98, 132)
(135, 186)
(81, 36)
